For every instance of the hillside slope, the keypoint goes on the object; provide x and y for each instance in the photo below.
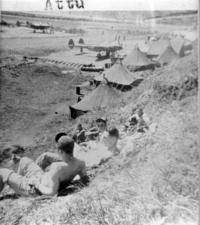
(34, 103)
(155, 182)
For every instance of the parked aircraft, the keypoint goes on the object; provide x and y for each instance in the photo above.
(39, 26)
(4, 23)
(21, 24)
(103, 50)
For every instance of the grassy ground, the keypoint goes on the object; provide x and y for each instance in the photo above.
(156, 183)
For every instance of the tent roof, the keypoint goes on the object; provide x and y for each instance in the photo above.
(158, 47)
(137, 58)
(102, 96)
(177, 44)
(117, 74)
(168, 56)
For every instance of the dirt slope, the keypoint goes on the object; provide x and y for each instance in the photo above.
(34, 102)
(157, 180)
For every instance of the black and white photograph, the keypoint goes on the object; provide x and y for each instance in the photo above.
(99, 121)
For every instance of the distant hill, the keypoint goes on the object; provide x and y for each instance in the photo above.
(132, 15)
(128, 16)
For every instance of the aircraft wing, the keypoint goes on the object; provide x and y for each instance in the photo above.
(96, 48)
(108, 48)
(81, 46)
(101, 48)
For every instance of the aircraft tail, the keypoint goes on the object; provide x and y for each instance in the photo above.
(71, 44)
(81, 41)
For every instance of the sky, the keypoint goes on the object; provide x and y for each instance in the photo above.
(98, 5)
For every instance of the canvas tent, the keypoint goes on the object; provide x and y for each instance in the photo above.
(178, 44)
(137, 59)
(181, 45)
(168, 56)
(104, 95)
(157, 48)
(119, 77)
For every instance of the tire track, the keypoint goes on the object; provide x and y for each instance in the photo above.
(70, 64)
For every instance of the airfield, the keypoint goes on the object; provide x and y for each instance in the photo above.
(22, 40)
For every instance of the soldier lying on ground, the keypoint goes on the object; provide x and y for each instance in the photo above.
(109, 142)
(31, 179)
(138, 121)
(92, 157)
(111, 139)
(143, 121)
(103, 152)
(99, 132)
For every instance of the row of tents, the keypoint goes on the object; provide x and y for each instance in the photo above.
(119, 77)
(110, 85)
(160, 52)
(179, 45)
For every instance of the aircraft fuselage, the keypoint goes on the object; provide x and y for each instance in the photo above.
(107, 49)
(102, 48)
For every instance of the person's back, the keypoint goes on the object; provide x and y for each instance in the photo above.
(32, 179)
(61, 173)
